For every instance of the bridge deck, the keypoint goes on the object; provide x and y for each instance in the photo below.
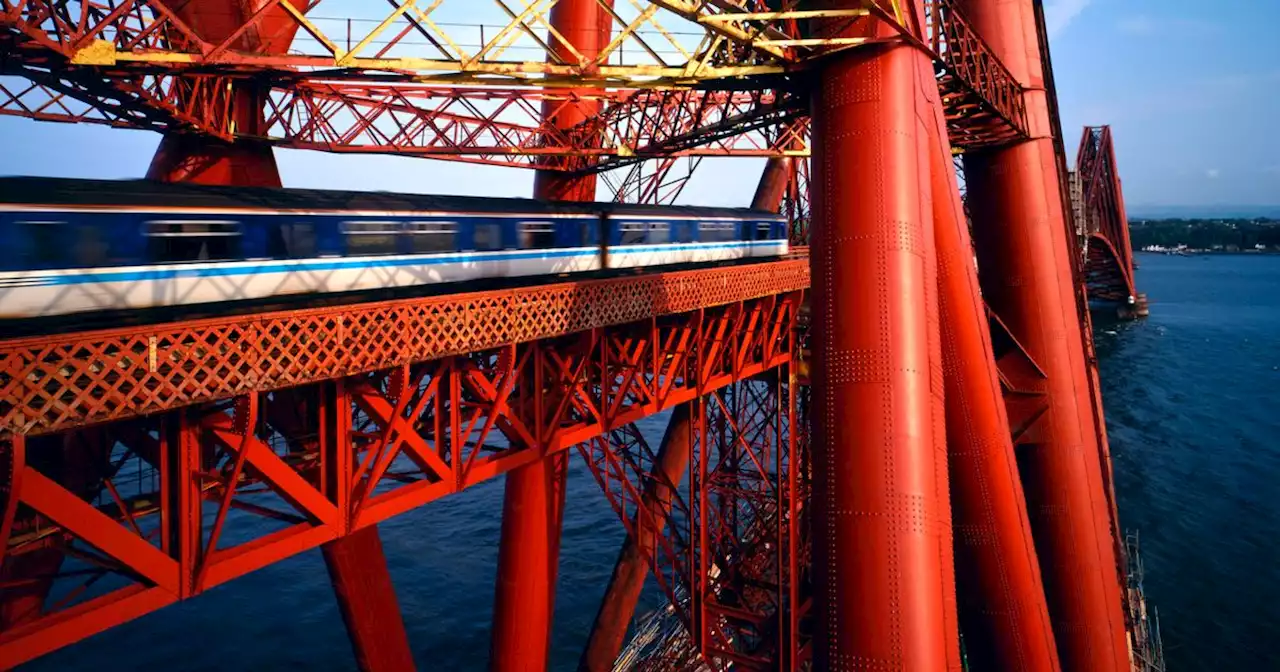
(331, 420)
(51, 383)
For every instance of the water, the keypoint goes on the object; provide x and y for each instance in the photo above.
(1190, 395)
(1195, 435)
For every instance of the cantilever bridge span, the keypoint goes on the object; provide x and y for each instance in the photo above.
(838, 483)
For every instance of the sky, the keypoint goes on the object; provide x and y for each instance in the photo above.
(1191, 90)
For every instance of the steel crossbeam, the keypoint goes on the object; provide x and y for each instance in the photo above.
(133, 63)
(368, 415)
(61, 382)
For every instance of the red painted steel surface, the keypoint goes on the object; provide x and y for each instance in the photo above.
(443, 415)
(773, 184)
(880, 494)
(183, 157)
(142, 452)
(367, 600)
(632, 567)
(1108, 264)
(528, 562)
(1027, 277)
(617, 608)
(308, 109)
(70, 380)
(1002, 608)
(533, 502)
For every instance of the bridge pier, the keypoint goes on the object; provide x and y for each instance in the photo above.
(356, 562)
(367, 599)
(1001, 602)
(882, 566)
(1022, 249)
(200, 160)
(533, 506)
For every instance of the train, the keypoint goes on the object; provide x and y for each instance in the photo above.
(74, 247)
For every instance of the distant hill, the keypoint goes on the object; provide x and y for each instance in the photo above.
(1203, 211)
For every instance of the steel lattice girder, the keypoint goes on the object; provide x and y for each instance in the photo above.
(51, 383)
(1108, 264)
(730, 544)
(355, 110)
(166, 504)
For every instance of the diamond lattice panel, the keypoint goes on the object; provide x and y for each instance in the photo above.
(53, 383)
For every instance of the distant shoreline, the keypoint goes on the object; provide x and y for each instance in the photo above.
(1193, 253)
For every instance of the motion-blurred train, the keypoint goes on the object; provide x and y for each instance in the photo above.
(75, 246)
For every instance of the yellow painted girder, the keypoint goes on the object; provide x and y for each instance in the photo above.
(719, 22)
(101, 52)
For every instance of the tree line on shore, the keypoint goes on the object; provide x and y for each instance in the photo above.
(1205, 234)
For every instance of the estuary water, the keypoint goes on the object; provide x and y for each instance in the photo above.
(1192, 395)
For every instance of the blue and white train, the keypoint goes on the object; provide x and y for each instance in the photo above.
(78, 246)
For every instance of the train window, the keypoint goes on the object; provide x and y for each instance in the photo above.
(717, 231)
(91, 248)
(45, 243)
(577, 232)
(633, 233)
(537, 235)
(370, 237)
(299, 240)
(659, 232)
(764, 230)
(426, 237)
(488, 236)
(178, 240)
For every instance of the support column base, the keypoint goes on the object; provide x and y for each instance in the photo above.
(184, 158)
(367, 599)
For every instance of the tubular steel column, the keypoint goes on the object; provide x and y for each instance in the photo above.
(357, 565)
(629, 572)
(1021, 236)
(884, 591)
(532, 511)
(773, 184)
(588, 26)
(1002, 606)
(367, 599)
(187, 158)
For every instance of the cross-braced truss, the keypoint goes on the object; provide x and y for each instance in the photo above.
(129, 516)
(466, 81)
(1108, 262)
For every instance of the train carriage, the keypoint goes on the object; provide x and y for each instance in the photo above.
(78, 246)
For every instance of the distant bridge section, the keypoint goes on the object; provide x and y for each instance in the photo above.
(1104, 227)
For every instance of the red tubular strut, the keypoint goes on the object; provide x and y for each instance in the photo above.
(532, 512)
(882, 566)
(1002, 606)
(773, 184)
(190, 158)
(620, 598)
(357, 565)
(367, 600)
(1027, 278)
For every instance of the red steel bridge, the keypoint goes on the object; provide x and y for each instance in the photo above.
(873, 447)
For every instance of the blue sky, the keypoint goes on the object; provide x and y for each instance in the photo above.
(1191, 90)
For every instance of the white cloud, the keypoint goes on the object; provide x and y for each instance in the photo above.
(1213, 173)
(1058, 14)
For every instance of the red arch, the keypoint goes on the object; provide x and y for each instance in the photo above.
(1106, 276)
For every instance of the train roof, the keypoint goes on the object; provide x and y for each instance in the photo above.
(51, 191)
